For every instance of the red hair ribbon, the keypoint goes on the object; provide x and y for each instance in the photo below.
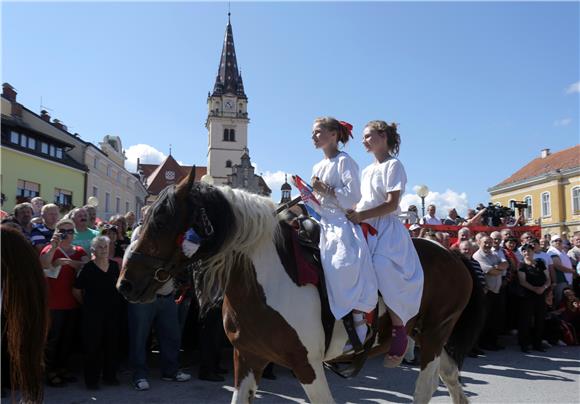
(348, 127)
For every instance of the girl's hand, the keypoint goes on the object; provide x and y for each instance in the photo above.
(319, 186)
(354, 216)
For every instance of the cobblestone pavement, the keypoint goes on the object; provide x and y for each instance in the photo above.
(499, 377)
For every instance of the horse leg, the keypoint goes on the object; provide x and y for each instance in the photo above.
(318, 391)
(431, 346)
(450, 375)
(247, 374)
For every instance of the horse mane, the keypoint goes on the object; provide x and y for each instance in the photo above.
(24, 314)
(255, 224)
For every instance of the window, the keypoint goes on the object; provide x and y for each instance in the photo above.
(117, 205)
(229, 135)
(27, 189)
(126, 207)
(107, 202)
(228, 164)
(52, 151)
(23, 140)
(14, 137)
(59, 153)
(108, 171)
(62, 197)
(95, 163)
(118, 176)
(528, 210)
(44, 147)
(31, 143)
(546, 208)
(576, 200)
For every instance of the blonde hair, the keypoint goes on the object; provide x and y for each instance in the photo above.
(47, 207)
(388, 131)
(63, 222)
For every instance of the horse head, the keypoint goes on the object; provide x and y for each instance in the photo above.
(187, 223)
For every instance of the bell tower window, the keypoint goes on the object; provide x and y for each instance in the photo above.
(228, 164)
(229, 135)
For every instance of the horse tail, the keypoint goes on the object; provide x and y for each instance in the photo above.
(467, 329)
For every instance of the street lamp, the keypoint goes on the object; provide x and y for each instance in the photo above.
(422, 192)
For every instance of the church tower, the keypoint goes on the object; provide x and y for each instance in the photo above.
(227, 118)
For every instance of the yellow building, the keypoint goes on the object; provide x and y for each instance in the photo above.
(37, 158)
(550, 185)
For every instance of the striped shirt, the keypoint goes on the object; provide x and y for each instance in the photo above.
(40, 234)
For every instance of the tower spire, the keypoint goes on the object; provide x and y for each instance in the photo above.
(229, 79)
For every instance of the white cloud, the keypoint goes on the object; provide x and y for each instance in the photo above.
(573, 88)
(563, 122)
(442, 200)
(274, 179)
(147, 154)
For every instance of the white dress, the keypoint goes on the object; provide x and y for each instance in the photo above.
(396, 263)
(344, 253)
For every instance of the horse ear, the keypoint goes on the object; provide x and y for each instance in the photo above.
(187, 182)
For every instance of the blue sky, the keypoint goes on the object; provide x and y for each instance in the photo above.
(477, 88)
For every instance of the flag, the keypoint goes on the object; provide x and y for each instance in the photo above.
(307, 195)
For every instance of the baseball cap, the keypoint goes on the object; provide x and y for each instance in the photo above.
(414, 227)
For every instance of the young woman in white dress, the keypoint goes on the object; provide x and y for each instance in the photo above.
(345, 256)
(396, 263)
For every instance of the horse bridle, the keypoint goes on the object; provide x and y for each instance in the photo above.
(170, 266)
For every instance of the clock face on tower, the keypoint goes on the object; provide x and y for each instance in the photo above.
(228, 105)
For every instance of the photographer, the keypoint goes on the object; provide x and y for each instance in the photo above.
(61, 261)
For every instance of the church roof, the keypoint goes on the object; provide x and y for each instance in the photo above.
(156, 179)
(229, 78)
(286, 186)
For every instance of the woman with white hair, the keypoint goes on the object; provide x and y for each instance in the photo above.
(101, 304)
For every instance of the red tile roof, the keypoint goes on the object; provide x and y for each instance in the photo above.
(562, 160)
(155, 174)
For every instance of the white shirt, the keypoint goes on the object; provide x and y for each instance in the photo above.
(564, 259)
(431, 220)
(544, 257)
(381, 179)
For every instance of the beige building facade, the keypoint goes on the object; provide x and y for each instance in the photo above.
(550, 185)
(117, 190)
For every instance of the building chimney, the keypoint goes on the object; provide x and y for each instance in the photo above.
(545, 153)
(44, 115)
(59, 124)
(8, 92)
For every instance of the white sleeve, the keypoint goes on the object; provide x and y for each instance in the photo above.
(348, 193)
(395, 177)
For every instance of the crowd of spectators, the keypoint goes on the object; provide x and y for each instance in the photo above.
(531, 290)
(531, 284)
(81, 256)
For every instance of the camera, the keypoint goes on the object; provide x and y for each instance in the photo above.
(494, 213)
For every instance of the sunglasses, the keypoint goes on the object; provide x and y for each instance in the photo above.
(557, 241)
(69, 231)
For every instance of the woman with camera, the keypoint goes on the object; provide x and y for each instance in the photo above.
(61, 260)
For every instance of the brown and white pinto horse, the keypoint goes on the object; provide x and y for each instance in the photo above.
(269, 318)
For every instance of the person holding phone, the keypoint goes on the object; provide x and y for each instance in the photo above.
(61, 260)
